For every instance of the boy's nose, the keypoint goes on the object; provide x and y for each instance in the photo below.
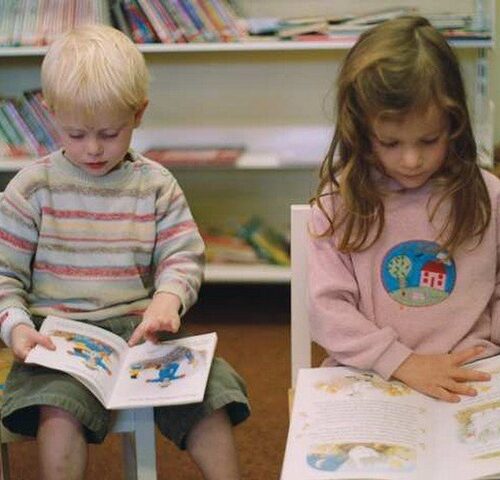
(94, 147)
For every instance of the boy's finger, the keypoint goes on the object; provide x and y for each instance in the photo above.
(46, 342)
(136, 336)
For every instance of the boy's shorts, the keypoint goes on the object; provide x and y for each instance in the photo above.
(29, 386)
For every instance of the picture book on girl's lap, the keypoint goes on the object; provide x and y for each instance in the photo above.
(168, 373)
(351, 424)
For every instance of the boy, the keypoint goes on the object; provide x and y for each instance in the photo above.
(97, 233)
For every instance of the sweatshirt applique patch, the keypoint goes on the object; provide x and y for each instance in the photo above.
(418, 273)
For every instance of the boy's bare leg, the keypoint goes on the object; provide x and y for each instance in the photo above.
(211, 445)
(62, 447)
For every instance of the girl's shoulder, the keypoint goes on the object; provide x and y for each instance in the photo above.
(491, 181)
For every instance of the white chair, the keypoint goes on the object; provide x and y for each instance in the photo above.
(139, 450)
(300, 334)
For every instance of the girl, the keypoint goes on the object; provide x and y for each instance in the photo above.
(403, 263)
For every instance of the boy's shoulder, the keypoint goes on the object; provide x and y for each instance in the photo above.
(150, 167)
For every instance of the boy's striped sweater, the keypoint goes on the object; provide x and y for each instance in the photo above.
(94, 248)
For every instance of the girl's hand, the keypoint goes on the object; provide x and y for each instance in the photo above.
(24, 338)
(442, 376)
(162, 315)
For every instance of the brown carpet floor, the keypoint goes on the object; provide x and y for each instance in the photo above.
(252, 323)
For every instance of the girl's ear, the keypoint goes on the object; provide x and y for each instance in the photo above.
(138, 115)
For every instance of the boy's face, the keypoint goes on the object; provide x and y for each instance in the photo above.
(99, 144)
(412, 148)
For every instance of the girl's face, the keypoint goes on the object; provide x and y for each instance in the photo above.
(98, 145)
(411, 148)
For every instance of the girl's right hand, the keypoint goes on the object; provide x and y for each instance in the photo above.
(442, 376)
(24, 338)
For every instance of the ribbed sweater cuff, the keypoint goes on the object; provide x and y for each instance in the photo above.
(391, 359)
(10, 318)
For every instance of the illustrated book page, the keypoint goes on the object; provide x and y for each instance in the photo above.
(350, 424)
(167, 373)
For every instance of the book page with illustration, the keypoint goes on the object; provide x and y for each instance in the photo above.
(351, 424)
(89, 353)
(166, 373)
(172, 372)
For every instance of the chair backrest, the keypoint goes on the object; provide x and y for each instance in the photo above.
(300, 335)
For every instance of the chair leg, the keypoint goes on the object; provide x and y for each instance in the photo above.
(4, 462)
(139, 448)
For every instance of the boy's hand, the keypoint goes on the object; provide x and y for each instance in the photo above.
(441, 376)
(24, 338)
(162, 315)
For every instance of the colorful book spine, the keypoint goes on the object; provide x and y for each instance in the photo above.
(46, 143)
(34, 98)
(191, 10)
(118, 17)
(189, 30)
(157, 23)
(224, 31)
(16, 120)
(229, 18)
(209, 25)
(142, 31)
(173, 28)
(15, 140)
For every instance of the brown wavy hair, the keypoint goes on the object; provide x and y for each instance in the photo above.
(401, 66)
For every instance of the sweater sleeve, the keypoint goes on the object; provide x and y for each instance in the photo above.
(18, 240)
(179, 250)
(336, 323)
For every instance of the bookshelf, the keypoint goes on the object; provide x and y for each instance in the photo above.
(274, 97)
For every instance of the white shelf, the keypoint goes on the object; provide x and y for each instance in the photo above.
(250, 46)
(246, 274)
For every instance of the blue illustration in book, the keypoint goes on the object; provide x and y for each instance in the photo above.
(96, 354)
(418, 273)
(178, 363)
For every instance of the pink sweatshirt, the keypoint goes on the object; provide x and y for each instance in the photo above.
(372, 309)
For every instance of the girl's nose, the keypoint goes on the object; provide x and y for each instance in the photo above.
(412, 158)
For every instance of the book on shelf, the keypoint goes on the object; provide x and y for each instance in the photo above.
(269, 244)
(224, 248)
(209, 156)
(168, 373)
(352, 424)
(156, 20)
(140, 26)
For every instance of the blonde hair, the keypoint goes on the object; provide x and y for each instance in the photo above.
(403, 65)
(94, 66)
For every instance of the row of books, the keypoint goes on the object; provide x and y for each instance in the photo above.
(26, 128)
(252, 242)
(349, 27)
(38, 22)
(177, 21)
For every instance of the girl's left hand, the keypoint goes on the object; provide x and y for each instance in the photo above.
(162, 315)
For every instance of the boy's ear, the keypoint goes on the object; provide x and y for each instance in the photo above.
(140, 113)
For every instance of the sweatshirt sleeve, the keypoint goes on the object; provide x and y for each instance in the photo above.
(336, 323)
(179, 250)
(495, 298)
(18, 241)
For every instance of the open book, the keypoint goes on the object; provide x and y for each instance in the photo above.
(167, 373)
(350, 424)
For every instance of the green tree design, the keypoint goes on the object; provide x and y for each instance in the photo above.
(399, 267)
